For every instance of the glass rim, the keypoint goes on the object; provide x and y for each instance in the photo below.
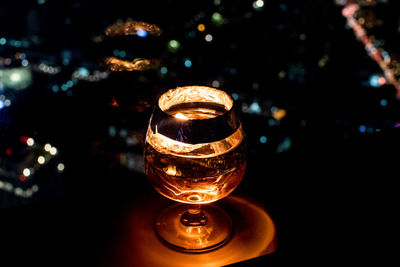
(194, 93)
(194, 131)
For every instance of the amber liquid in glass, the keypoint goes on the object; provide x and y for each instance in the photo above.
(198, 173)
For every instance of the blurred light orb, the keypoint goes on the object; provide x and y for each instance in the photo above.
(285, 145)
(55, 88)
(258, 4)
(28, 193)
(25, 63)
(26, 172)
(53, 151)
(164, 70)
(123, 133)
(83, 72)
(173, 45)
(47, 147)
(16, 78)
(18, 191)
(188, 63)
(8, 186)
(254, 108)
(30, 141)
(41, 160)
(263, 139)
(271, 122)
(217, 18)
(60, 167)
(374, 81)
(201, 27)
(112, 131)
(279, 114)
(141, 33)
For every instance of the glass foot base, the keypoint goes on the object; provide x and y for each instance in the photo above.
(201, 238)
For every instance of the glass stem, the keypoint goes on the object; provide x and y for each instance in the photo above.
(194, 216)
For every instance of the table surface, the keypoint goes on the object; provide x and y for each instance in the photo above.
(319, 208)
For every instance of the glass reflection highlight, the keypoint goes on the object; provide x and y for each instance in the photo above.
(139, 28)
(138, 64)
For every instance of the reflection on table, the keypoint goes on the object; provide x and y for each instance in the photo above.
(253, 236)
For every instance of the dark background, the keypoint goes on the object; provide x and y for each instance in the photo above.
(326, 173)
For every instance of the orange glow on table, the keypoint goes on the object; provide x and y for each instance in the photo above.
(254, 235)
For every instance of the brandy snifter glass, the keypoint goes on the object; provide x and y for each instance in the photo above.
(194, 154)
